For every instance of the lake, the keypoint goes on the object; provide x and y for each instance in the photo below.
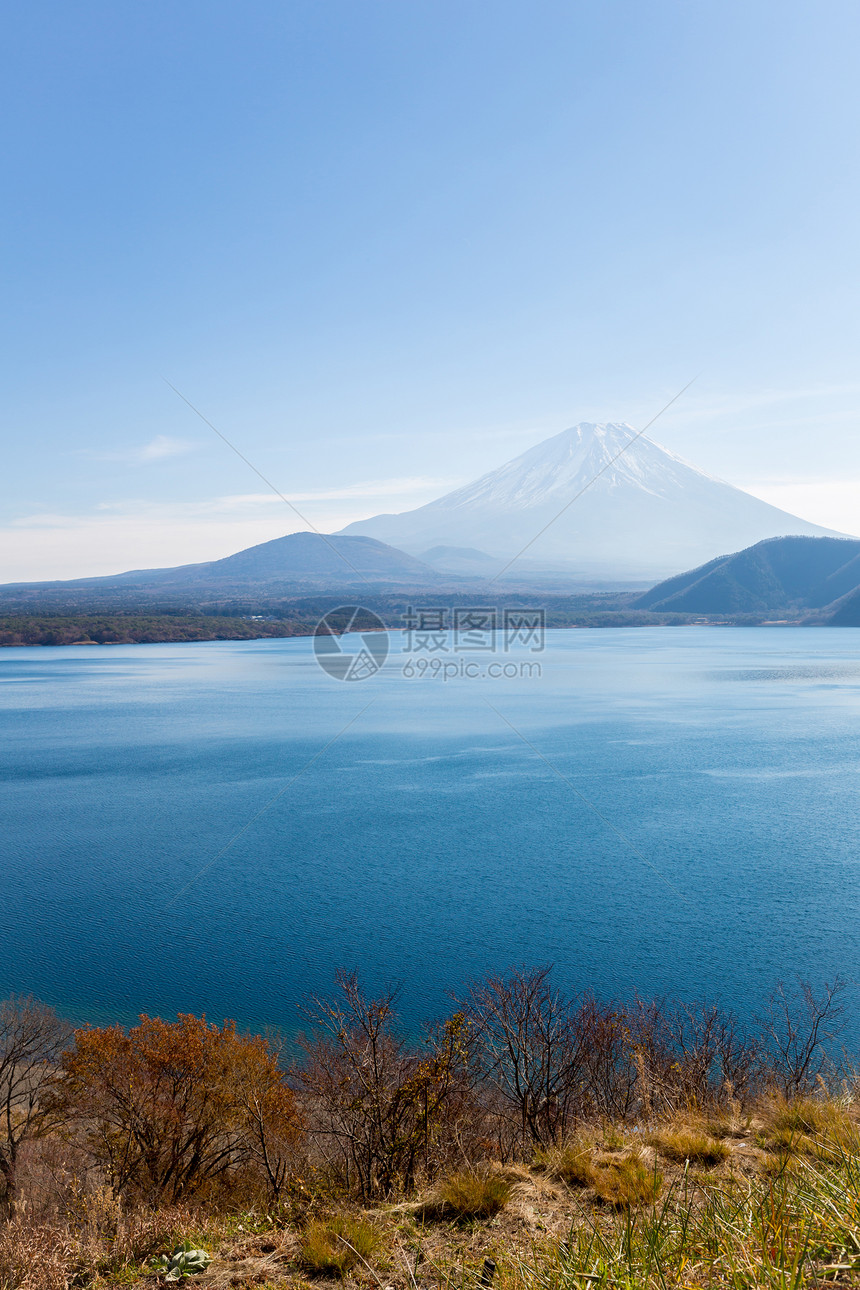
(218, 827)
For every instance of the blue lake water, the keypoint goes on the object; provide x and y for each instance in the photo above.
(675, 810)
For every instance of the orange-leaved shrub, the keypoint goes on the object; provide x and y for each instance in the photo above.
(168, 1109)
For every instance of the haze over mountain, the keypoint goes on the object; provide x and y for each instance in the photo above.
(299, 562)
(461, 559)
(643, 512)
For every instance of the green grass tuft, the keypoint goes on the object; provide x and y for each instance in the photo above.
(627, 1183)
(334, 1246)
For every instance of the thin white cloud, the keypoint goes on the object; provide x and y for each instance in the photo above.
(131, 533)
(163, 446)
(241, 503)
(159, 448)
(406, 487)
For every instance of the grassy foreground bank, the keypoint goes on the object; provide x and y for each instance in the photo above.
(531, 1140)
(763, 1198)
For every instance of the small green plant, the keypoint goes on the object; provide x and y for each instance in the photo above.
(334, 1246)
(184, 1261)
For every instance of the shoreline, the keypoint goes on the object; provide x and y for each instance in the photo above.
(306, 630)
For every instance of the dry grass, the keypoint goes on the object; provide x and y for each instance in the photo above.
(571, 1163)
(627, 1183)
(472, 1193)
(731, 1123)
(786, 1219)
(100, 1241)
(620, 1175)
(688, 1142)
(334, 1246)
(796, 1231)
(819, 1128)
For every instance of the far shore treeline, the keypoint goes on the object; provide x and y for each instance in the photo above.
(138, 629)
(259, 622)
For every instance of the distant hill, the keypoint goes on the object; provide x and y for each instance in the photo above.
(312, 557)
(598, 502)
(297, 563)
(794, 576)
(293, 579)
(462, 559)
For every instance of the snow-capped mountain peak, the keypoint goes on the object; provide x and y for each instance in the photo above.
(614, 503)
(611, 452)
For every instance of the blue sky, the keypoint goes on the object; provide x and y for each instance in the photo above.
(385, 245)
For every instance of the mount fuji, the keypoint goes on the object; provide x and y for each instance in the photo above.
(616, 506)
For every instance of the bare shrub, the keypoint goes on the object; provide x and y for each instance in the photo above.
(689, 1056)
(607, 1073)
(550, 1062)
(32, 1037)
(798, 1031)
(530, 1046)
(381, 1111)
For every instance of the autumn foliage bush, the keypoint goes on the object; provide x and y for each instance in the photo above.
(169, 1109)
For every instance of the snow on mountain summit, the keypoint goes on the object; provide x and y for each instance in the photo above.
(583, 456)
(615, 505)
